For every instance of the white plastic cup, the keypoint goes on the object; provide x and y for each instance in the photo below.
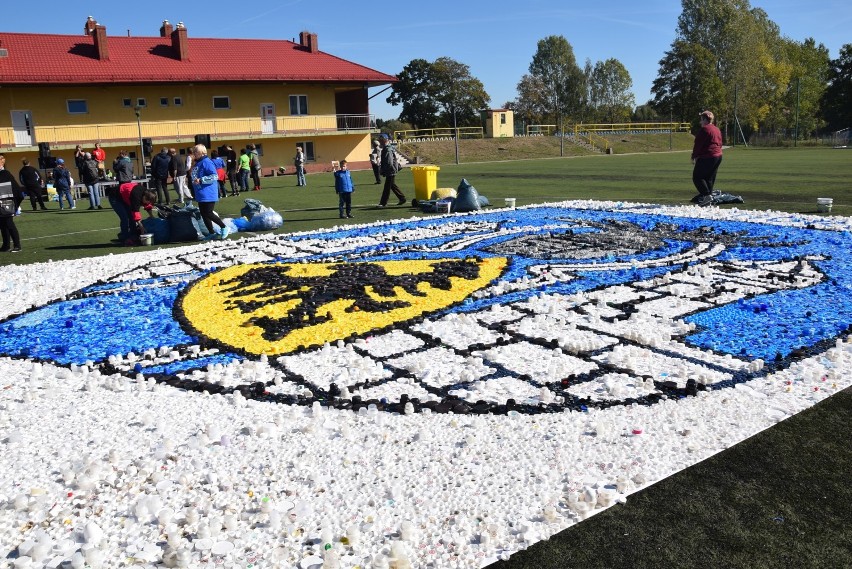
(147, 239)
(824, 204)
(510, 202)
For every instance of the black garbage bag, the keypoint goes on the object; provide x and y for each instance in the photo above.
(251, 208)
(186, 225)
(467, 198)
(159, 228)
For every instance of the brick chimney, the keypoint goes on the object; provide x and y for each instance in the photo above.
(180, 43)
(166, 29)
(90, 26)
(101, 42)
(309, 41)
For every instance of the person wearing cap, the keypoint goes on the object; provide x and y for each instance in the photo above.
(62, 183)
(388, 167)
(706, 156)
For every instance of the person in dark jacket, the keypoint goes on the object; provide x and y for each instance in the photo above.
(177, 170)
(123, 168)
(62, 183)
(7, 219)
(388, 168)
(91, 178)
(31, 181)
(160, 175)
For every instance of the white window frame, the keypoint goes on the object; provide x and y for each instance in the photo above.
(227, 99)
(298, 99)
(68, 106)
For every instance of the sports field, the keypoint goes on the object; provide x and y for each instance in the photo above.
(778, 499)
(783, 180)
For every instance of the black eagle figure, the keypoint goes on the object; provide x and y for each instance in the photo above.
(349, 281)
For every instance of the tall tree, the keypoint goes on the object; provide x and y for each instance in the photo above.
(555, 66)
(413, 92)
(610, 91)
(687, 83)
(459, 94)
(430, 92)
(837, 100)
(531, 104)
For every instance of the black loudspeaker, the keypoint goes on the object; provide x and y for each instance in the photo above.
(46, 162)
(223, 151)
(203, 139)
(147, 146)
(43, 149)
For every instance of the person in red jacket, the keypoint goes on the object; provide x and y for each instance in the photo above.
(132, 196)
(706, 155)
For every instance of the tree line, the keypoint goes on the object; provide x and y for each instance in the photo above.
(726, 56)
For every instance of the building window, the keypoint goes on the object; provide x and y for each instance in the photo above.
(298, 104)
(77, 106)
(221, 103)
(127, 103)
(141, 102)
(308, 149)
(259, 148)
(502, 118)
(178, 101)
(164, 101)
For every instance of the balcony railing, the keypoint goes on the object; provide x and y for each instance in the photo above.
(185, 130)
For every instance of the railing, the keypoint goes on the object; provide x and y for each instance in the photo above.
(543, 129)
(591, 138)
(185, 130)
(634, 127)
(445, 132)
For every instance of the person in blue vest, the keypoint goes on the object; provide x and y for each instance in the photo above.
(205, 183)
(344, 187)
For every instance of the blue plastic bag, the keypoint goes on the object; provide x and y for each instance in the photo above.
(265, 221)
(159, 228)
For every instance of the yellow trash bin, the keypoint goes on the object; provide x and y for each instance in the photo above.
(425, 181)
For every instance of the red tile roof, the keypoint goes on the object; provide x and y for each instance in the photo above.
(52, 59)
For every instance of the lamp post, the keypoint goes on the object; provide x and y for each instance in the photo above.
(138, 110)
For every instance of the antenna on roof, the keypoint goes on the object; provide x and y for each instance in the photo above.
(128, 32)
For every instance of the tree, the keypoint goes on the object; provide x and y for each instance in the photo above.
(555, 67)
(412, 91)
(646, 113)
(687, 83)
(837, 99)
(531, 104)
(430, 92)
(457, 93)
(610, 85)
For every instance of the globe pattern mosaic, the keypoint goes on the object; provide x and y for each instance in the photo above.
(531, 310)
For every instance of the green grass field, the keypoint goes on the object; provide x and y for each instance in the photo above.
(779, 499)
(786, 180)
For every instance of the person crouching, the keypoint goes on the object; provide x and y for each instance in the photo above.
(132, 196)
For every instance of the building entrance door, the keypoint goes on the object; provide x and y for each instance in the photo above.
(267, 118)
(22, 124)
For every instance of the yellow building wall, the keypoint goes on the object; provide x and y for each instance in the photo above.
(495, 129)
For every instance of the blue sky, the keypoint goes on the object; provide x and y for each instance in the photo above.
(496, 39)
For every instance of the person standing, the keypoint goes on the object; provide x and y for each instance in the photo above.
(32, 183)
(375, 158)
(388, 167)
(706, 156)
(80, 161)
(254, 163)
(219, 163)
(344, 187)
(231, 165)
(123, 168)
(299, 163)
(90, 178)
(62, 183)
(205, 183)
(245, 170)
(160, 175)
(177, 170)
(100, 157)
(8, 229)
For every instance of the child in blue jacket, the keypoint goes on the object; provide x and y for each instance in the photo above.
(344, 187)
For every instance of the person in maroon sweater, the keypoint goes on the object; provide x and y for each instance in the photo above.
(706, 155)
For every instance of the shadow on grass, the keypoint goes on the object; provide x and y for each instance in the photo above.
(93, 247)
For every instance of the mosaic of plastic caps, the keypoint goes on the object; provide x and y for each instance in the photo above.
(532, 310)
